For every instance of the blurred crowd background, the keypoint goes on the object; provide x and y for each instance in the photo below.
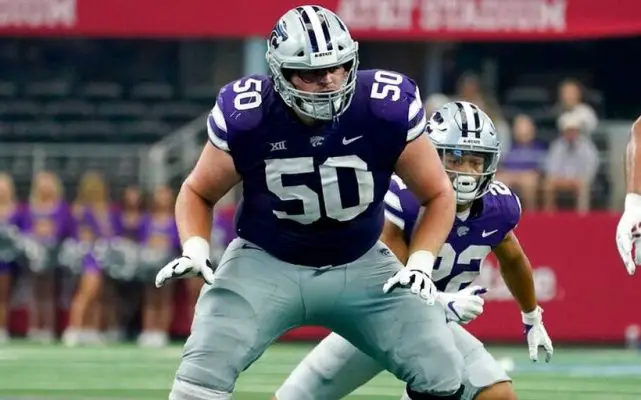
(97, 133)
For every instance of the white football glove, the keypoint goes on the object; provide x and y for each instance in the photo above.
(537, 335)
(463, 306)
(418, 274)
(628, 234)
(194, 262)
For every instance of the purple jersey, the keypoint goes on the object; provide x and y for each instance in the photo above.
(524, 157)
(223, 231)
(313, 195)
(130, 224)
(160, 233)
(13, 221)
(50, 226)
(17, 217)
(101, 225)
(458, 263)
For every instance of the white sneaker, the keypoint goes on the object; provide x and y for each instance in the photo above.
(46, 337)
(71, 337)
(153, 339)
(159, 339)
(4, 336)
(41, 336)
(92, 338)
(33, 334)
(143, 339)
(113, 336)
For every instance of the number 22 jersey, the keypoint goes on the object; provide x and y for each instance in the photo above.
(313, 195)
(471, 239)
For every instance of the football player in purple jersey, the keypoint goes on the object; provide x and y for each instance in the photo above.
(315, 144)
(487, 212)
(628, 234)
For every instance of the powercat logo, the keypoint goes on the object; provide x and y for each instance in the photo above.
(38, 13)
(279, 34)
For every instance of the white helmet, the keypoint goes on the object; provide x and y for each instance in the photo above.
(308, 38)
(460, 127)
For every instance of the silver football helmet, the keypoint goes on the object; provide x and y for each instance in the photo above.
(458, 128)
(308, 38)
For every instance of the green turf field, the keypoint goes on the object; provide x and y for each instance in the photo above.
(127, 372)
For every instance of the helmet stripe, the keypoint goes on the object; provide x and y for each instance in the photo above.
(316, 31)
(477, 117)
(325, 26)
(328, 39)
(464, 127)
(470, 119)
(306, 27)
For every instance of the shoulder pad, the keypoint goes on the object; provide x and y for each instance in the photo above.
(401, 207)
(395, 98)
(239, 108)
(508, 202)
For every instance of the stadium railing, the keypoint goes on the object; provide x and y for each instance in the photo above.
(121, 164)
(171, 158)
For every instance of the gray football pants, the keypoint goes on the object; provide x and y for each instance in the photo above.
(256, 298)
(335, 368)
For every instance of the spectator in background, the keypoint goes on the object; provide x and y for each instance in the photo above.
(48, 222)
(10, 220)
(131, 220)
(434, 102)
(571, 100)
(118, 295)
(571, 164)
(92, 213)
(521, 165)
(131, 216)
(161, 241)
(469, 88)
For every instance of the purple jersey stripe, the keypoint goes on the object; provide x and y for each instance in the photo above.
(217, 129)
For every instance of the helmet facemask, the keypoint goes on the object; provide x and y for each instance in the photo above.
(316, 105)
(469, 185)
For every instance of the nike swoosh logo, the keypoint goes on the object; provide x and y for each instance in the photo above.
(450, 305)
(486, 234)
(347, 141)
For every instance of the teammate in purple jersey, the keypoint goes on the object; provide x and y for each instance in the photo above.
(315, 144)
(487, 212)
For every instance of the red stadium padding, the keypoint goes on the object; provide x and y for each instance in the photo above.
(495, 20)
(581, 284)
(583, 287)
